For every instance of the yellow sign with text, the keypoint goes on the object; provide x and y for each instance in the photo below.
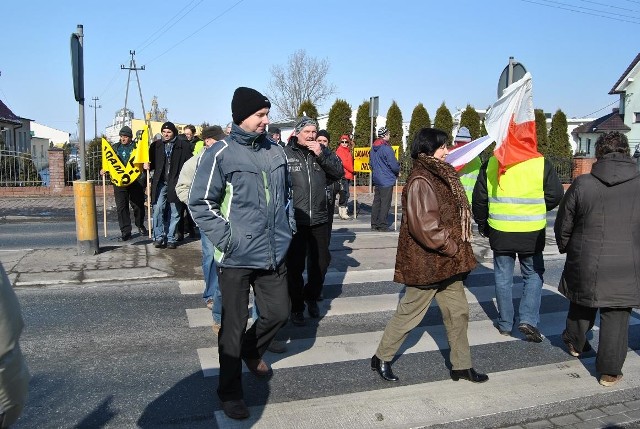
(361, 158)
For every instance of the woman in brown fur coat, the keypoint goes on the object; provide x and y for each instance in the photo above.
(433, 258)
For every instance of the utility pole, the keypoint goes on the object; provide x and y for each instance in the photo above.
(134, 68)
(95, 116)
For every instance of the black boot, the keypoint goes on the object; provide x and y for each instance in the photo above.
(468, 374)
(383, 368)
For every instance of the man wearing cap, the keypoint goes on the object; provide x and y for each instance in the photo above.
(276, 135)
(131, 193)
(240, 199)
(384, 173)
(166, 158)
(468, 174)
(311, 167)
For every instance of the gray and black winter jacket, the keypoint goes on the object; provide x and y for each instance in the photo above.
(240, 198)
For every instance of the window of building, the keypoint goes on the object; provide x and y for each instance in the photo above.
(579, 144)
(588, 145)
(636, 117)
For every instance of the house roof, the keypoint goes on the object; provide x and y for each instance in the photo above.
(624, 75)
(614, 121)
(7, 116)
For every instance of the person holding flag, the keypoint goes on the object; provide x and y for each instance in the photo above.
(120, 162)
(515, 189)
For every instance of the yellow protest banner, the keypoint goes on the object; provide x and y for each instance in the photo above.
(120, 175)
(361, 158)
(140, 154)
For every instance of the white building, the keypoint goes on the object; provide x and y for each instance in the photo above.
(625, 118)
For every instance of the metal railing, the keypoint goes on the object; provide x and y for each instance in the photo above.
(17, 169)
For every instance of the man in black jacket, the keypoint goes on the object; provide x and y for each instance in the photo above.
(510, 208)
(311, 166)
(166, 158)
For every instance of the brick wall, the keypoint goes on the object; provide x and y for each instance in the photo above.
(582, 165)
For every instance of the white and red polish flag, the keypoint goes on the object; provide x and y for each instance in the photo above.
(461, 155)
(511, 123)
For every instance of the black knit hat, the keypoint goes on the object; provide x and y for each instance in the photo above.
(246, 102)
(169, 126)
(126, 131)
(324, 133)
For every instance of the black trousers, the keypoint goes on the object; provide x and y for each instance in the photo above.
(344, 192)
(315, 241)
(614, 334)
(234, 344)
(125, 195)
(381, 205)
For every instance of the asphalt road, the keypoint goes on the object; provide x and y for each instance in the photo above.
(123, 355)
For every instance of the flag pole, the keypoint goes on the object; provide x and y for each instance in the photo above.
(395, 210)
(148, 204)
(355, 180)
(104, 205)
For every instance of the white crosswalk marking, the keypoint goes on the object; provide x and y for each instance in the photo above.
(421, 403)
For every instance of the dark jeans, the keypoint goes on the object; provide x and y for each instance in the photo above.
(315, 240)
(125, 195)
(186, 225)
(234, 344)
(614, 334)
(381, 205)
(344, 192)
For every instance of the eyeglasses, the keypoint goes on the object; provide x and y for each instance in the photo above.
(344, 141)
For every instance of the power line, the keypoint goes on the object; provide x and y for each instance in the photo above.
(582, 8)
(580, 11)
(95, 106)
(609, 5)
(599, 110)
(172, 21)
(197, 31)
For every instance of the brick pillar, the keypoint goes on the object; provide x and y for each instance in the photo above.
(582, 165)
(56, 170)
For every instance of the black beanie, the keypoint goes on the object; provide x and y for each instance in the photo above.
(324, 133)
(126, 131)
(246, 102)
(169, 126)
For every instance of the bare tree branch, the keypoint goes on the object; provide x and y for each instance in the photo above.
(302, 78)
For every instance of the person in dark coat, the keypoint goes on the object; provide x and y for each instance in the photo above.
(598, 227)
(166, 158)
(434, 256)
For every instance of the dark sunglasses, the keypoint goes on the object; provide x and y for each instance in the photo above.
(344, 141)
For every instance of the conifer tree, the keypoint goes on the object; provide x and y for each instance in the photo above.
(444, 121)
(541, 131)
(394, 125)
(419, 119)
(308, 109)
(362, 135)
(558, 137)
(339, 121)
(470, 119)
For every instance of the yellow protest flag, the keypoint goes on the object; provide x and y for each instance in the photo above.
(140, 154)
(120, 174)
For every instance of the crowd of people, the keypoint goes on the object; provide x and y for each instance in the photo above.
(264, 209)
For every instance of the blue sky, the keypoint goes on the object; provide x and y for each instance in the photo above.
(407, 51)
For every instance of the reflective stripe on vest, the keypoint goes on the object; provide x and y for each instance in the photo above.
(517, 203)
(469, 175)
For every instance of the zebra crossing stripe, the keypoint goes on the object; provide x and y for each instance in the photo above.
(349, 347)
(201, 316)
(440, 402)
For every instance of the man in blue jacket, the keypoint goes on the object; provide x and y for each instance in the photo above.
(240, 198)
(384, 169)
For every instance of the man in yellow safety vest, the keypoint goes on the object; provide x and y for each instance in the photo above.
(511, 209)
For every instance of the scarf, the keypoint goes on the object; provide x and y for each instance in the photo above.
(449, 174)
